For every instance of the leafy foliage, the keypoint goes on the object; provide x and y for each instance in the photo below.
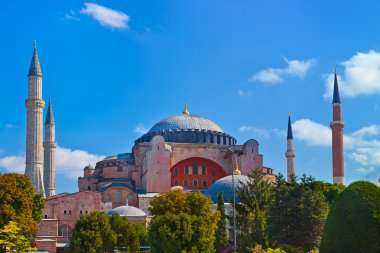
(11, 237)
(221, 237)
(252, 212)
(92, 234)
(18, 203)
(183, 222)
(353, 224)
(298, 213)
(259, 249)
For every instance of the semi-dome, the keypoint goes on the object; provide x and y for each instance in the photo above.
(129, 211)
(187, 128)
(225, 184)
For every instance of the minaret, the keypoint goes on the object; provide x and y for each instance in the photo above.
(49, 153)
(290, 154)
(337, 126)
(35, 105)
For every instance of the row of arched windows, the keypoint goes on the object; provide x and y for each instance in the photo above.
(194, 170)
(186, 184)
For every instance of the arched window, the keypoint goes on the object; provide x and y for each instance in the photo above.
(89, 188)
(64, 230)
(185, 183)
(195, 168)
(176, 171)
(186, 170)
(204, 184)
(195, 183)
(118, 197)
(175, 182)
(107, 198)
(204, 171)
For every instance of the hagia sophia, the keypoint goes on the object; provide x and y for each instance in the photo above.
(183, 151)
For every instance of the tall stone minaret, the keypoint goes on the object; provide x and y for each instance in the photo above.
(290, 154)
(35, 105)
(49, 152)
(337, 126)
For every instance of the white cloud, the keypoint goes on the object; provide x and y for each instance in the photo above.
(262, 132)
(312, 133)
(244, 93)
(105, 16)
(140, 129)
(13, 164)
(9, 126)
(361, 76)
(361, 146)
(69, 163)
(295, 68)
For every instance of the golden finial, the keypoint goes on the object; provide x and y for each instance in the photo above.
(236, 171)
(185, 111)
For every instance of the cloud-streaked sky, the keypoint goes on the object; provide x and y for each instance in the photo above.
(115, 68)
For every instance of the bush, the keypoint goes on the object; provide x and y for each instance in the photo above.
(353, 223)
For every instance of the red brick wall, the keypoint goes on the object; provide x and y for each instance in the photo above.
(213, 172)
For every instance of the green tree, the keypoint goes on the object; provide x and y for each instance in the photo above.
(183, 222)
(297, 213)
(18, 203)
(221, 237)
(127, 234)
(255, 199)
(353, 223)
(93, 234)
(330, 191)
(11, 237)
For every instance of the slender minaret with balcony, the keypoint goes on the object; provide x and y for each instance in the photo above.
(49, 152)
(337, 126)
(35, 105)
(290, 154)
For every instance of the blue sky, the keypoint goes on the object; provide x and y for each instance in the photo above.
(115, 67)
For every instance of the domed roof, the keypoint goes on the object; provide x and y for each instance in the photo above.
(89, 167)
(129, 211)
(225, 184)
(185, 122)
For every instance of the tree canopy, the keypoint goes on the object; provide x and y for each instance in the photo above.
(353, 223)
(183, 222)
(18, 203)
(221, 237)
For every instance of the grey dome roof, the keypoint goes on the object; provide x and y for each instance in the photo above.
(225, 184)
(89, 167)
(129, 211)
(185, 122)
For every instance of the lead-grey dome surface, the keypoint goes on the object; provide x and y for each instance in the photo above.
(129, 211)
(185, 122)
(225, 184)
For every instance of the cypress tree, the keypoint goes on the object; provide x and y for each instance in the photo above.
(221, 237)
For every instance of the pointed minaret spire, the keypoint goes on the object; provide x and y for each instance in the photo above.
(34, 162)
(186, 111)
(35, 68)
(290, 154)
(337, 126)
(290, 131)
(336, 97)
(49, 152)
(50, 115)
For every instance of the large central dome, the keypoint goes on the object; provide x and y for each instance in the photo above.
(186, 122)
(186, 128)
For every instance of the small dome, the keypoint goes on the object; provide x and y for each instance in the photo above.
(129, 211)
(186, 122)
(225, 184)
(89, 167)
